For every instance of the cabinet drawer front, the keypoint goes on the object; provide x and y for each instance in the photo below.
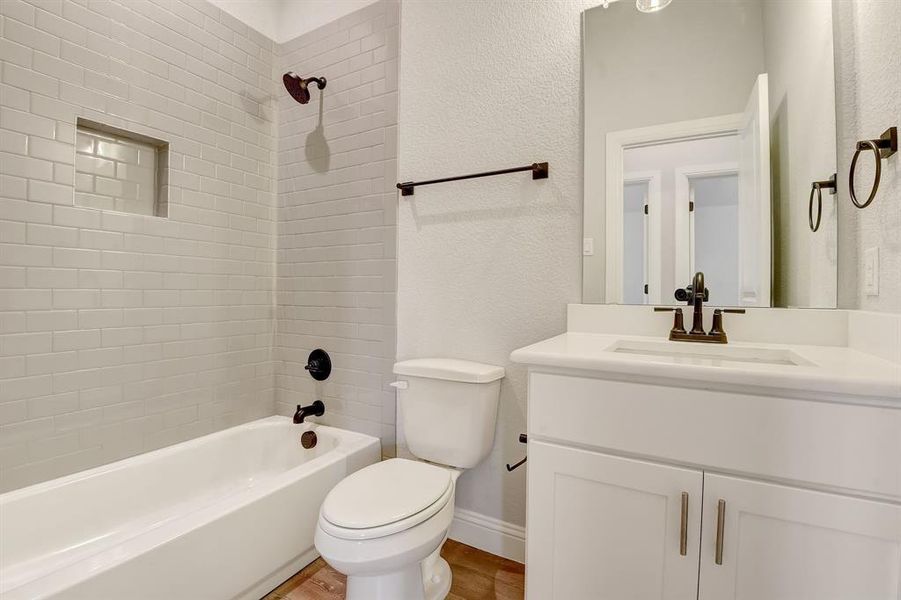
(844, 446)
(609, 528)
(784, 543)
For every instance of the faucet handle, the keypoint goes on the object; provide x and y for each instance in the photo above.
(716, 329)
(678, 318)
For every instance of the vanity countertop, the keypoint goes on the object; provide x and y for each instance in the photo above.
(834, 370)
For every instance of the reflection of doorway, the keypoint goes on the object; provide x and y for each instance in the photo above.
(641, 238)
(739, 139)
(707, 228)
(677, 164)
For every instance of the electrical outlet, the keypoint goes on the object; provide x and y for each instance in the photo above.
(587, 246)
(871, 272)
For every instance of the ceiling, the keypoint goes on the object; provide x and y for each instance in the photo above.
(283, 20)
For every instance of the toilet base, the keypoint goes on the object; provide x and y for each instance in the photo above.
(436, 576)
(428, 580)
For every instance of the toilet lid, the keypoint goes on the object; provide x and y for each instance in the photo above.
(384, 493)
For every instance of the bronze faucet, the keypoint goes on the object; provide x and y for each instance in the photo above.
(317, 409)
(696, 294)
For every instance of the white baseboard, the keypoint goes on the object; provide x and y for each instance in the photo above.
(489, 534)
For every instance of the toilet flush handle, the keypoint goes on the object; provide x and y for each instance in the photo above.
(401, 385)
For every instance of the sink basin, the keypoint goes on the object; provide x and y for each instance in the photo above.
(704, 354)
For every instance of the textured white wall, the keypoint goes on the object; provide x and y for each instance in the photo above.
(488, 265)
(121, 333)
(868, 101)
(337, 220)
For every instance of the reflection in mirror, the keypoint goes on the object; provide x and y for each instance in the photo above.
(699, 178)
(705, 124)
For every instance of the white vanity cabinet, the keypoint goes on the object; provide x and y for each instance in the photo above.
(787, 543)
(603, 526)
(784, 498)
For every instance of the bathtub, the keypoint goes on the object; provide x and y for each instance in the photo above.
(228, 515)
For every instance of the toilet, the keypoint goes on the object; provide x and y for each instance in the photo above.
(383, 526)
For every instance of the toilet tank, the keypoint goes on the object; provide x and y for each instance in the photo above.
(448, 408)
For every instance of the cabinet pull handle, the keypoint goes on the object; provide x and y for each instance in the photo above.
(720, 530)
(683, 531)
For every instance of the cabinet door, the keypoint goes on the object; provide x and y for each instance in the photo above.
(601, 527)
(783, 543)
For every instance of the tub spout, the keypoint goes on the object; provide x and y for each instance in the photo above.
(317, 409)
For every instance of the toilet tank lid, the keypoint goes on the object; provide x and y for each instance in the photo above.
(450, 369)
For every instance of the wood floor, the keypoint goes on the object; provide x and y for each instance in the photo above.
(477, 576)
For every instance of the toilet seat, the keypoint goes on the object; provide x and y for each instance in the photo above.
(385, 498)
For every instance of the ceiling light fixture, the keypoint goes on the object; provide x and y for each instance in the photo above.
(649, 6)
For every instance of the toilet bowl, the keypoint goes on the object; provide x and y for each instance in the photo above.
(383, 526)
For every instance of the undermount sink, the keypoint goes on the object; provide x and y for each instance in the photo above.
(703, 354)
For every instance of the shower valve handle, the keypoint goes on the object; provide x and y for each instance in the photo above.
(319, 365)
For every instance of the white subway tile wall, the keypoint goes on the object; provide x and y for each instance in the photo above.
(120, 333)
(114, 172)
(337, 221)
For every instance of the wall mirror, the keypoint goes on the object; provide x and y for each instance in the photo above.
(705, 125)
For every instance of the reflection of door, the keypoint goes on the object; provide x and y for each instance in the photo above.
(714, 243)
(658, 148)
(641, 238)
(635, 242)
(755, 229)
(706, 228)
(740, 139)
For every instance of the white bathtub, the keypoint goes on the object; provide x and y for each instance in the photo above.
(228, 515)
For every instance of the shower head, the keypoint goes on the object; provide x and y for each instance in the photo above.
(299, 88)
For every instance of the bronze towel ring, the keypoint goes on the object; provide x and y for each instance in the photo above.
(817, 186)
(882, 148)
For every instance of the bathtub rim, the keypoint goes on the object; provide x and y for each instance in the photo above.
(148, 456)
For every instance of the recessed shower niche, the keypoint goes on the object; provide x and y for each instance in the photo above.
(121, 170)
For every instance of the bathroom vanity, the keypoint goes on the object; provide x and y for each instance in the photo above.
(766, 468)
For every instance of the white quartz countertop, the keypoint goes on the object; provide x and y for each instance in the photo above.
(828, 369)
